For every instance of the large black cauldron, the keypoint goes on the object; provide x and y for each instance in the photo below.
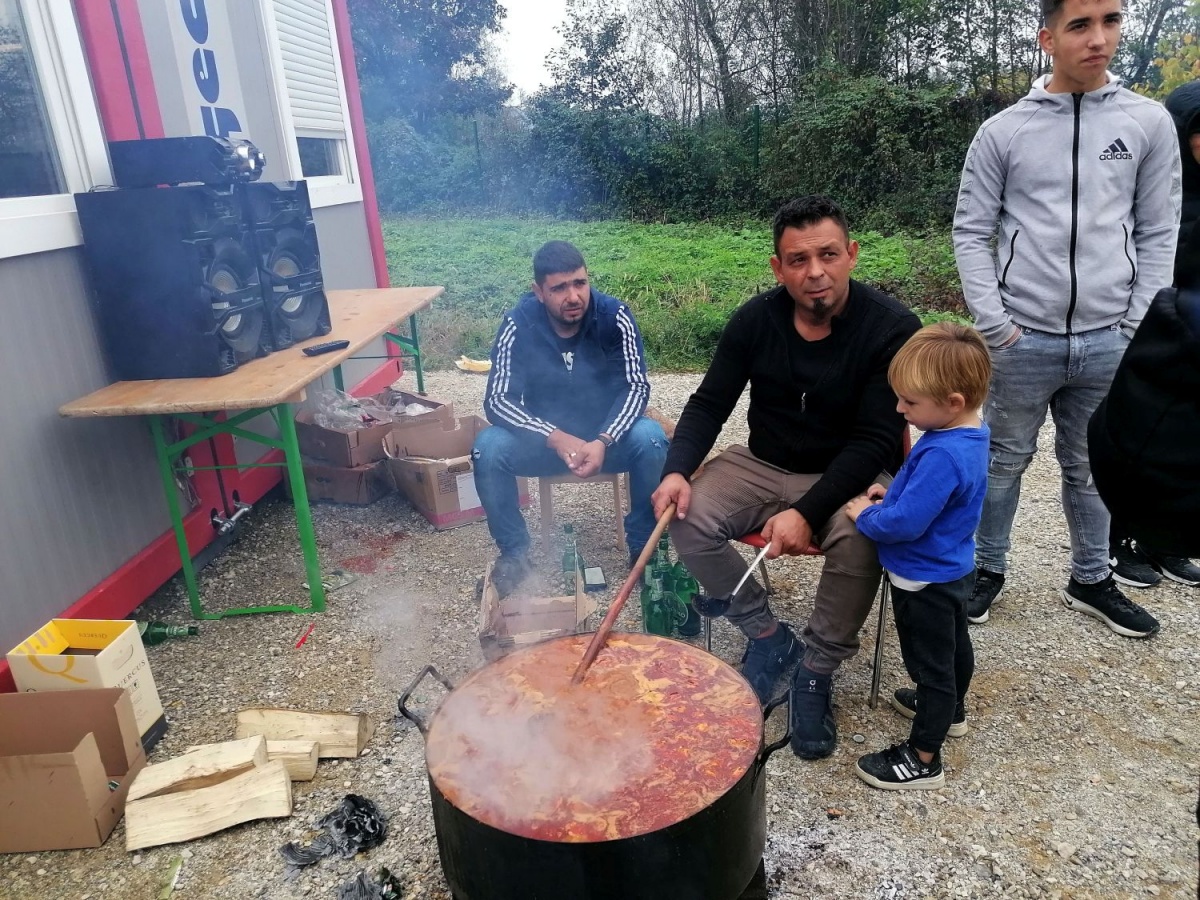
(712, 854)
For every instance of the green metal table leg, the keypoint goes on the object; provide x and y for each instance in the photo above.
(308, 538)
(337, 379)
(416, 342)
(167, 473)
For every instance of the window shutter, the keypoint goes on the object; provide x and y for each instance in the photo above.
(307, 46)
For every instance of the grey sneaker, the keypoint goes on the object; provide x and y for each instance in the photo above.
(1104, 601)
(904, 701)
(1131, 566)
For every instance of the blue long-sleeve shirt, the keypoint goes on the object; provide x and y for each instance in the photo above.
(925, 526)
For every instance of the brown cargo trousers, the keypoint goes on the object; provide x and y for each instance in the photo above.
(734, 495)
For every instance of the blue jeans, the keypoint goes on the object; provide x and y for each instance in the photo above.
(1068, 374)
(500, 455)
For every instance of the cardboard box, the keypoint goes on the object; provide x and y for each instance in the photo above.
(67, 759)
(432, 467)
(71, 654)
(518, 621)
(355, 447)
(442, 415)
(360, 486)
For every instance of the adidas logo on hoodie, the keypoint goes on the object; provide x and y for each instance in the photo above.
(1116, 150)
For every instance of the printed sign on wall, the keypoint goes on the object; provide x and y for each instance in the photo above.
(203, 43)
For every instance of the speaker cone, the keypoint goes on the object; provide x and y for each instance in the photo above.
(298, 298)
(233, 286)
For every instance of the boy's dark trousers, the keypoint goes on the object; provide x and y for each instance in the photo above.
(932, 626)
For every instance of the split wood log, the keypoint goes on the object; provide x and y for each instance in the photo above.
(340, 734)
(264, 792)
(300, 757)
(201, 767)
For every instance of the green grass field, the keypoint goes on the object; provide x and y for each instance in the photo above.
(682, 281)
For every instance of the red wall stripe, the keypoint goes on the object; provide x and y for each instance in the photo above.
(358, 129)
(108, 50)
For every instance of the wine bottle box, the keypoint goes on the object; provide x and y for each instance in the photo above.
(74, 654)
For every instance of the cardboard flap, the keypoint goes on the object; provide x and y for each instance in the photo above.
(64, 718)
(434, 441)
(57, 635)
(47, 802)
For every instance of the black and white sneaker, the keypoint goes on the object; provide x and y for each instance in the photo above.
(899, 768)
(1179, 569)
(1131, 566)
(904, 701)
(987, 590)
(1104, 601)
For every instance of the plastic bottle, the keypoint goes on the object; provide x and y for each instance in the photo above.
(157, 632)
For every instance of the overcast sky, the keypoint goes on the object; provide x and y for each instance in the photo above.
(528, 38)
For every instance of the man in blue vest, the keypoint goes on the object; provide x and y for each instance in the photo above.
(566, 393)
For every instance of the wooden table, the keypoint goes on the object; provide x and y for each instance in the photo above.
(269, 385)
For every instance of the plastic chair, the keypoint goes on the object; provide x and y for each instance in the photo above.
(546, 499)
(755, 539)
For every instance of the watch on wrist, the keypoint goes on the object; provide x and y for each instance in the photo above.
(604, 439)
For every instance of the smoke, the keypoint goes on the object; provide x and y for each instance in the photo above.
(535, 756)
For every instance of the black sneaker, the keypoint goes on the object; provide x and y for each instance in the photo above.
(1179, 569)
(904, 701)
(509, 570)
(988, 588)
(690, 627)
(767, 658)
(899, 768)
(814, 731)
(1131, 566)
(1104, 601)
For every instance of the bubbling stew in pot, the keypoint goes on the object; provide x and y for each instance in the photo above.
(657, 732)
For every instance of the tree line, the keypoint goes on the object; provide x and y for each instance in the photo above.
(673, 110)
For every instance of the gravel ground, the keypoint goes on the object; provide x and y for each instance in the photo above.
(1078, 777)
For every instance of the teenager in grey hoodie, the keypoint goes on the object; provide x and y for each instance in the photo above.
(1081, 181)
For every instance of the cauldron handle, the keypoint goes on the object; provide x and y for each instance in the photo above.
(764, 754)
(408, 692)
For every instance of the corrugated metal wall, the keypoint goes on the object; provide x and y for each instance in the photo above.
(77, 497)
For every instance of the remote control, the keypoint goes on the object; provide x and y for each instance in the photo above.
(327, 347)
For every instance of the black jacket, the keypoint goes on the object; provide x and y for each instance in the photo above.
(1144, 438)
(1184, 106)
(533, 389)
(820, 407)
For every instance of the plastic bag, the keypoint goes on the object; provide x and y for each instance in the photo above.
(355, 825)
(341, 412)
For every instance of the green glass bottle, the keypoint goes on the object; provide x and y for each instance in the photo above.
(570, 558)
(683, 584)
(156, 632)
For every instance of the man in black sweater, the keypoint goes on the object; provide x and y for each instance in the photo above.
(823, 426)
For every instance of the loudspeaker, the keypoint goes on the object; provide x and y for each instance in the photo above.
(279, 218)
(175, 280)
(177, 160)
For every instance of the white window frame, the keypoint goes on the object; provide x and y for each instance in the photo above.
(49, 222)
(323, 190)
